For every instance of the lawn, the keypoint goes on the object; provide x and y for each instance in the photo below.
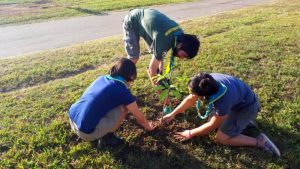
(257, 44)
(25, 11)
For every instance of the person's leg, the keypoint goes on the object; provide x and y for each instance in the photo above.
(108, 125)
(131, 41)
(120, 119)
(239, 140)
(262, 141)
(84, 136)
(230, 131)
(72, 125)
(110, 122)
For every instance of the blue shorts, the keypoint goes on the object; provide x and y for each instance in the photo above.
(238, 120)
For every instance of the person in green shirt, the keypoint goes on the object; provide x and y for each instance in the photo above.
(160, 34)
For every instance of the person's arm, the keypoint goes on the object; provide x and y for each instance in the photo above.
(141, 119)
(204, 129)
(152, 70)
(186, 103)
(160, 67)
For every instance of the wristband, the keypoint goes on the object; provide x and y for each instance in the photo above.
(190, 135)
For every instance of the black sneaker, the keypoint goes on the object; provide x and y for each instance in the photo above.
(111, 139)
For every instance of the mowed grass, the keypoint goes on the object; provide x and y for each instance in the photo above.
(258, 44)
(25, 11)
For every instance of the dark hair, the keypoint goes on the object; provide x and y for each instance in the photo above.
(190, 44)
(203, 84)
(124, 68)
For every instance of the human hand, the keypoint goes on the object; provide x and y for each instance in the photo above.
(151, 126)
(183, 136)
(168, 118)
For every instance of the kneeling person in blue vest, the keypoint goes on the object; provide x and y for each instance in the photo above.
(232, 106)
(101, 109)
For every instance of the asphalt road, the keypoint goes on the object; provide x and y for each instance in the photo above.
(28, 38)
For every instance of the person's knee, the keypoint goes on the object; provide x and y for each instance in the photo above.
(222, 138)
(124, 111)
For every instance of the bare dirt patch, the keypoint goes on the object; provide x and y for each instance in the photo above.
(21, 9)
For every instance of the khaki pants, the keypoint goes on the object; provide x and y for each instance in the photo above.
(107, 124)
(131, 40)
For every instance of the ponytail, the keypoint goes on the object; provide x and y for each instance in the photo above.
(203, 84)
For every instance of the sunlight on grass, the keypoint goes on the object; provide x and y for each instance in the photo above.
(26, 11)
(258, 44)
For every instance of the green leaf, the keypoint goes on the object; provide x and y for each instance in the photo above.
(163, 95)
(173, 87)
(166, 84)
(158, 88)
(176, 93)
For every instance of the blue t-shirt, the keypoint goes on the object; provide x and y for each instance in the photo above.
(238, 94)
(99, 98)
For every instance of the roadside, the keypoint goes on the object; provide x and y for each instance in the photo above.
(33, 11)
(258, 44)
(23, 39)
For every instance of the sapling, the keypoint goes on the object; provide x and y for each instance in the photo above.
(167, 90)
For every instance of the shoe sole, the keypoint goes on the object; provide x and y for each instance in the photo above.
(277, 152)
(252, 124)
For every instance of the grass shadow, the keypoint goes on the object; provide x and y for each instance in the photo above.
(287, 141)
(154, 150)
(159, 149)
(88, 11)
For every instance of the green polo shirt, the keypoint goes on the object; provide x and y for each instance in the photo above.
(157, 30)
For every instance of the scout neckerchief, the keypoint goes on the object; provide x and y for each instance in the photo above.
(170, 66)
(213, 98)
(117, 78)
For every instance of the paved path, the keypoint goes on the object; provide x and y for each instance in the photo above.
(28, 38)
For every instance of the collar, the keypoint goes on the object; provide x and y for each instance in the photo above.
(117, 78)
(221, 91)
(211, 100)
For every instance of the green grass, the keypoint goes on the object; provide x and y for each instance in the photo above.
(258, 44)
(25, 11)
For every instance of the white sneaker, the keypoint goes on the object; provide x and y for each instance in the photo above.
(268, 145)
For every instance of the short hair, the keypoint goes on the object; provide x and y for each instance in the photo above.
(124, 68)
(203, 84)
(190, 44)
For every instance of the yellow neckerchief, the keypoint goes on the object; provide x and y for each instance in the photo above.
(170, 66)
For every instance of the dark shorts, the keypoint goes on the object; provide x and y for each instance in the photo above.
(238, 120)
